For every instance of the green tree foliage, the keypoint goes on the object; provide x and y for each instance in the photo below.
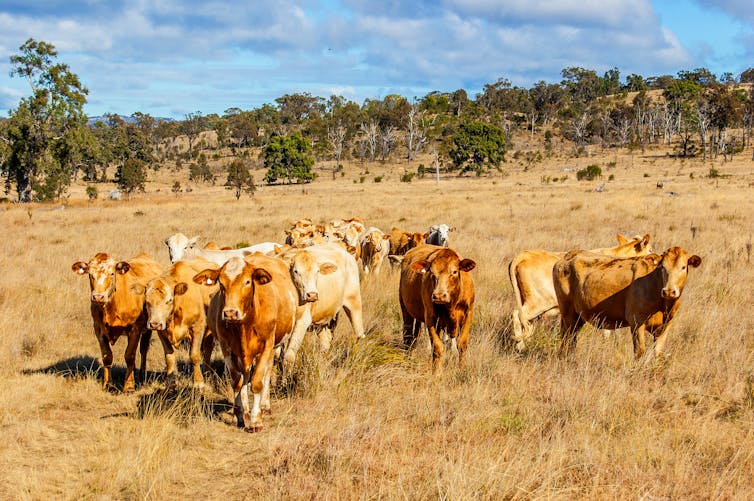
(590, 173)
(42, 132)
(240, 179)
(477, 145)
(200, 171)
(288, 157)
(131, 176)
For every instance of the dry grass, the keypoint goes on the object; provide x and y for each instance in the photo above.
(369, 421)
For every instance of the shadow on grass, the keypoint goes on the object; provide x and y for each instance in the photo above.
(184, 403)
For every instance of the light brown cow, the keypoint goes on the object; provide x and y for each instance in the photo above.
(253, 311)
(375, 247)
(326, 278)
(177, 310)
(642, 293)
(436, 289)
(403, 241)
(118, 310)
(530, 273)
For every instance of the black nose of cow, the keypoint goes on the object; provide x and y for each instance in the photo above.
(231, 315)
(311, 297)
(670, 293)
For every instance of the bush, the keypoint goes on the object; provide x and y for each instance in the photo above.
(421, 170)
(590, 173)
(406, 177)
(132, 175)
(91, 192)
(377, 179)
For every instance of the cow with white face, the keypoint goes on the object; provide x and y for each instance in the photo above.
(438, 235)
(182, 247)
(327, 280)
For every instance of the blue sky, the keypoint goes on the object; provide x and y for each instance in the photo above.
(172, 57)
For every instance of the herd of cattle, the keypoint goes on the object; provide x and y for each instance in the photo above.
(258, 302)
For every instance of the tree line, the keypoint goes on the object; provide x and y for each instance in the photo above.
(47, 141)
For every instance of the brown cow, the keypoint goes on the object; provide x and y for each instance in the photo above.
(375, 248)
(436, 289)
(253, 311)
(403, 241)
(177, 310)
(530, 273)
(117, 309)
(642, 293)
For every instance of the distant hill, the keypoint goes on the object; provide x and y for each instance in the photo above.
(125, 118)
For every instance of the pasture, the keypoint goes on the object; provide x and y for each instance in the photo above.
(369, 420)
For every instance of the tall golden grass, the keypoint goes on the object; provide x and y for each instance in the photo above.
(368, 420)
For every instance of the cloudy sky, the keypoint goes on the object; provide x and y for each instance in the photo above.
(172, 57)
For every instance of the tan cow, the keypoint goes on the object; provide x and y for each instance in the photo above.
(118, 310)
(530, 273)
(327, 280)
(642, 293)
(253, 311)
(403, 241)
(177, 310)
(181, 247)
(436, 289)
(375, 248)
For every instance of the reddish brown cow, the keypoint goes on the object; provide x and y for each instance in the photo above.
(118, 309)
(253, 311)
(403, 241)
(436, 289)
(642, 293)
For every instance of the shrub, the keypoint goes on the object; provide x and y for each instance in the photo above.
(377, 179)
(591, 172)
(406, 177)
(91, 192)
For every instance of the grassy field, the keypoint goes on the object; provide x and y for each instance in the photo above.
(369, 421)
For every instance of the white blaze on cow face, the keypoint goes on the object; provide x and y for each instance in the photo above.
(101, 269)
(674, 268)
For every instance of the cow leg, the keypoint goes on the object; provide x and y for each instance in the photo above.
(661, 336)
(133, 342)
(638, 337)
(410, 332)
(107, 359)
(265, 404)
(259, 378)
(352, 305)
(462, 342)
(208, 345)
(438, 347)
(295, 341)
(325, 338)
(195, 353)
(146, 339)
(169, 350)
(570, 324)
(242, 400)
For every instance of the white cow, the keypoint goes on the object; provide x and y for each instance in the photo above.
(327, 279)
(438, 235)
(181, 247)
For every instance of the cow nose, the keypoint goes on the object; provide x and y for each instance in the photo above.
(98, 297)
(439, 297)
(158, 326)
(670, 293)
(311, 297)
(231, 314)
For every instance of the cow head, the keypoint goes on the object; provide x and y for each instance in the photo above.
(444, 271)
(178, 244)
(304, 270)
(674, 268)
(160, 296)
(238, 280)
(103, 272)
(438, 235)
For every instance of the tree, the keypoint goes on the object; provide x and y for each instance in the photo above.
(336, 136)
(476, 145)
(40, 135)
(240, 179)
(288, 157)
(192, 126)
(200, 171)
(131, 176)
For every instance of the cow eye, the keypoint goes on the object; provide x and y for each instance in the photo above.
(170, 300)
(247, 283)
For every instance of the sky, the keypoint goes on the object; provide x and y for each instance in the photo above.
(169, 58)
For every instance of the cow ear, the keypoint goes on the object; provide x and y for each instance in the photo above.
(122, 267)
(452, 228)
(192, 242)
(467, 264)
(695, 261)
(644, 242)
(425, 236)
(421, 266)
(395, 259)
(385, 237)
(261, 276)
(351, 249)
(138, 289)
(206, 277)
(180, 288)
(652, 259)
(327, 268)
(80, 268)
(621, 239)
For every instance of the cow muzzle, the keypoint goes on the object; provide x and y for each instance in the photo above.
(99, 297)
(670, 293)
(157, 325)
(311, 297)
(440, 298)
(232, 315)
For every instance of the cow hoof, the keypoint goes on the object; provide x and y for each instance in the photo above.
(129, 389)
(253, 429)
